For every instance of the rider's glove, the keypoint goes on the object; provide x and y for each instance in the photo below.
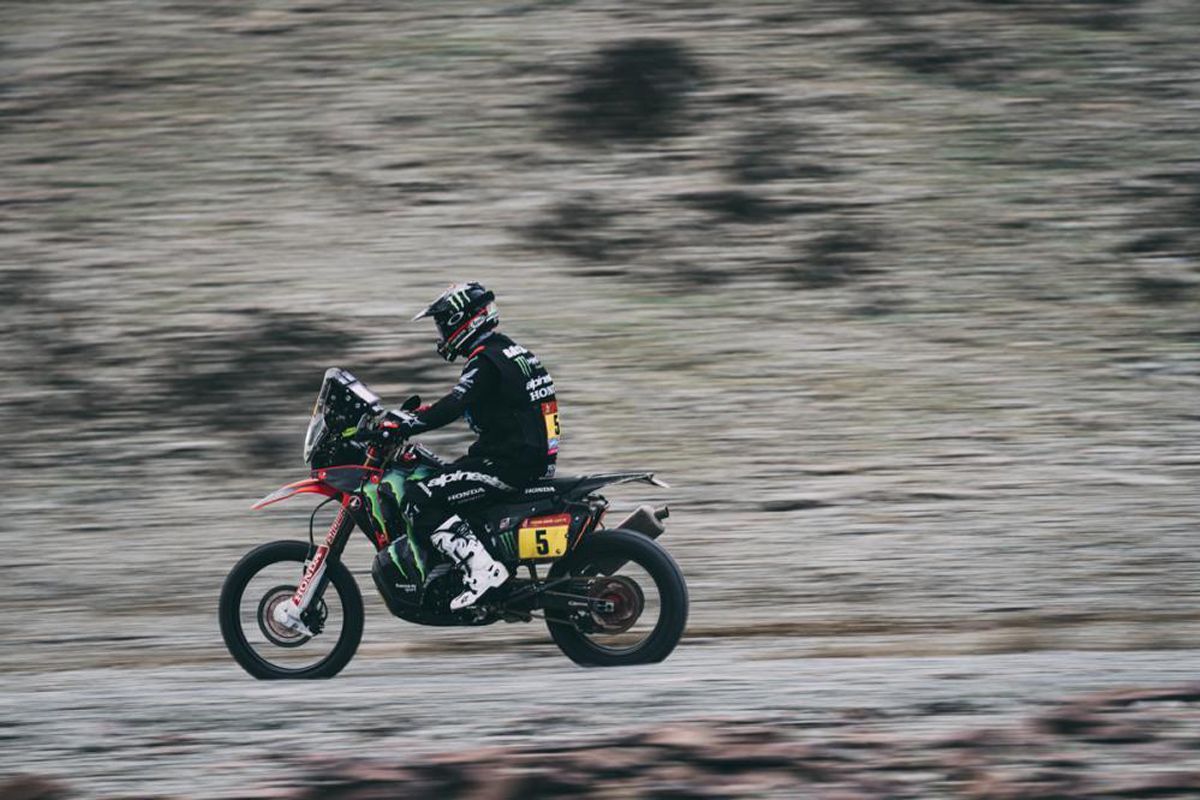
(400, 422)
(387, 428)
(376, 436)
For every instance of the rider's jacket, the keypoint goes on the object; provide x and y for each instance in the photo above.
(508, 399)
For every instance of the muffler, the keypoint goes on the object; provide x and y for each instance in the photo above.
(645, 520)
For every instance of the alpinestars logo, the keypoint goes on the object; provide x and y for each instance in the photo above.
(463, 475)
(539, 387)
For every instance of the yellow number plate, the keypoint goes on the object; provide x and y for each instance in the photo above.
(543, 537)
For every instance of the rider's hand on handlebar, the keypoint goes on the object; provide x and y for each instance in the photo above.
(388, 428)
(400, 419)
(378, 436)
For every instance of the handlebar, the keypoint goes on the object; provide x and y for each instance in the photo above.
(382, 429)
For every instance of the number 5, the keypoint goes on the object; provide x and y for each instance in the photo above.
(543, 544)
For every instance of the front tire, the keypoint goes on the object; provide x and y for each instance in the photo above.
(234, 629)
(650, 559)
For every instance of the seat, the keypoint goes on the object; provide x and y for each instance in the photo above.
(547, 495)
(551, 487)
(573, 486)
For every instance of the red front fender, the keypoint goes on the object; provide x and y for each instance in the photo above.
(306, 486)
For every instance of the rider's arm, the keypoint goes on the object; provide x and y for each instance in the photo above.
(478, 378)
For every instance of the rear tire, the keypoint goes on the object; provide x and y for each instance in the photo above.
(229, 613)
(625, 545)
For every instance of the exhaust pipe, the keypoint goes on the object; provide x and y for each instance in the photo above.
(645, 520)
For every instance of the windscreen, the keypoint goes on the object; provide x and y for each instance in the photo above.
(341, 406)
(314, 435)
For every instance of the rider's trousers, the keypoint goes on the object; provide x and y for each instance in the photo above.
(472, 481)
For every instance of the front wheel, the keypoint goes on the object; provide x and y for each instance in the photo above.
(645, 601)
(267, 576)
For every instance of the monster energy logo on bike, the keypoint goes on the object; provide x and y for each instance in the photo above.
(509, 543)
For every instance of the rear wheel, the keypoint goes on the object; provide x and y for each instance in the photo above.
(264, 578)
(637, 614)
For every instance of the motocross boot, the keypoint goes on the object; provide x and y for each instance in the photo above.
(481, 572)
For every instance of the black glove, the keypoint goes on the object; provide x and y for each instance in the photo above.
(377, 436)
(388, 428)
(403, 422)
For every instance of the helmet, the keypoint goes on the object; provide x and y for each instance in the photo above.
(463, 314)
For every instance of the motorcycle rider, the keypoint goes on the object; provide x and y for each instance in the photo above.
(508, 399)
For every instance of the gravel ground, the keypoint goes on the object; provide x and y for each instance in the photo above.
(210, 731)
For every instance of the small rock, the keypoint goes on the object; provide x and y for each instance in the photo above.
(1070, 721)
(794, 504)
(1170, 784)
(32, 787)
(682, 737)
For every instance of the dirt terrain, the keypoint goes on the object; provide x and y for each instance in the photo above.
(901, 298)
(746, 720)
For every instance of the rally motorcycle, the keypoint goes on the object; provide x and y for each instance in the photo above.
(609, 596)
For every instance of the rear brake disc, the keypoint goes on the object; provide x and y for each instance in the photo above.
(624, 603)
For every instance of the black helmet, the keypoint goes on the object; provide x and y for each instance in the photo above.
(462, 314)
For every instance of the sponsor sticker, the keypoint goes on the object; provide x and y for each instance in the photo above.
(316, 568)
(553, 429)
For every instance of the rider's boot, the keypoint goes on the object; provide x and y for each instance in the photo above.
(480, 571)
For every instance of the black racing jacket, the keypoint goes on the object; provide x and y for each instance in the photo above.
(508, 399)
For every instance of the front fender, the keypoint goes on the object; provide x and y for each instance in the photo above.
(306, 486)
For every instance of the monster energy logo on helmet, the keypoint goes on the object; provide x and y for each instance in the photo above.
(462, 313)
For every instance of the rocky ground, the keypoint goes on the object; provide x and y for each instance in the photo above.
(1051, 755)
(901, 297)
(721, 718)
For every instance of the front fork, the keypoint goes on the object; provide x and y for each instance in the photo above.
(312, 584)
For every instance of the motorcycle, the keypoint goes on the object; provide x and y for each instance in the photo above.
(610, 596)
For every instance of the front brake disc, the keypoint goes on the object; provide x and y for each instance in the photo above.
(278, 635)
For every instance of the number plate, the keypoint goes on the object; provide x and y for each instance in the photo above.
(543, 537)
